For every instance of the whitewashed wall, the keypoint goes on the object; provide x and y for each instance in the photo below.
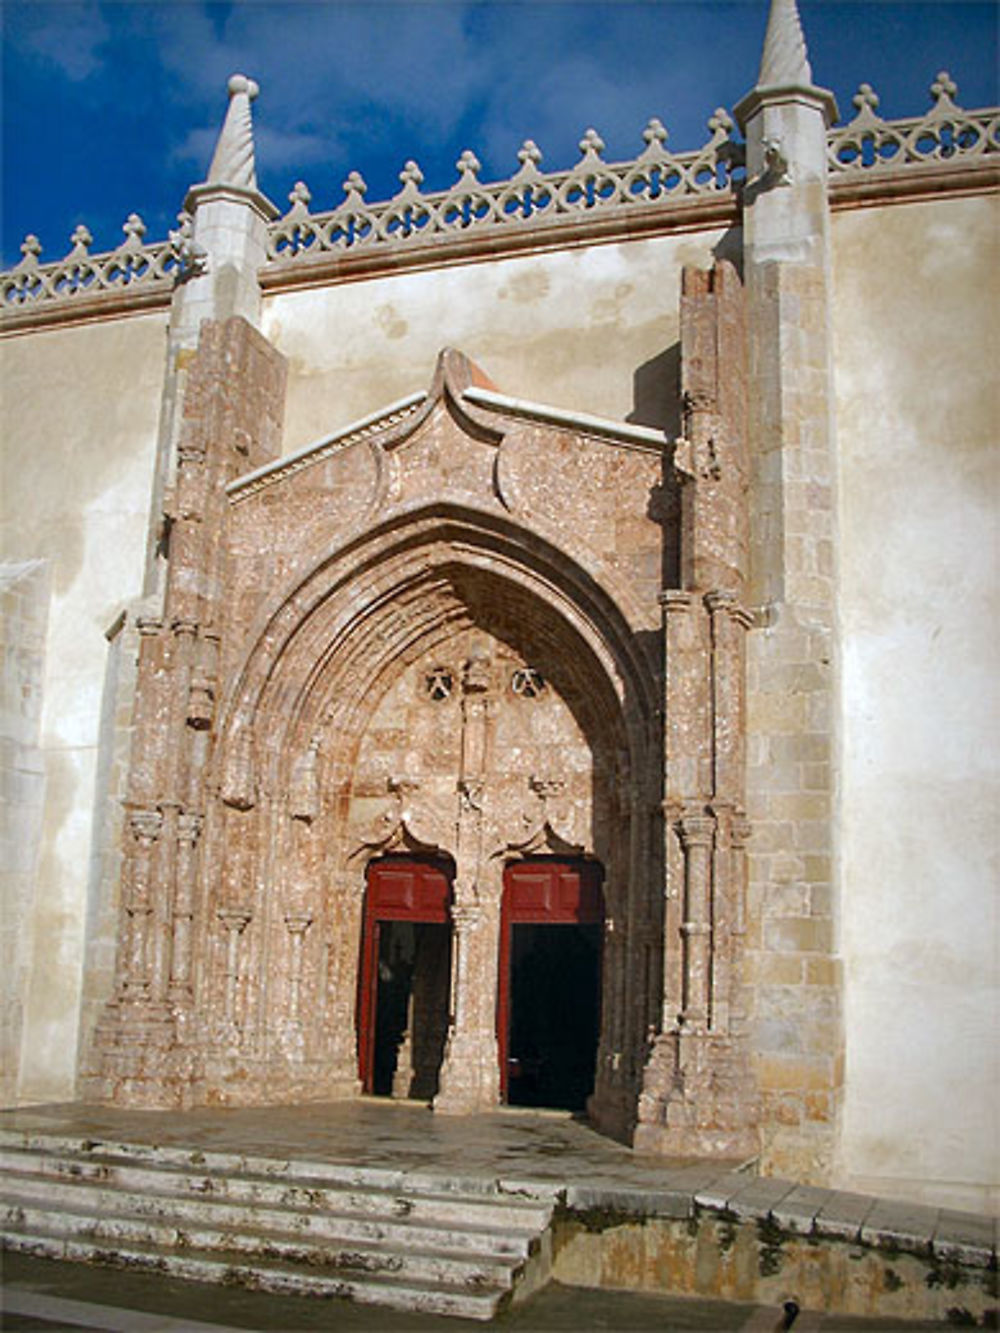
(917, 336)
(571, 329)
(80, 413)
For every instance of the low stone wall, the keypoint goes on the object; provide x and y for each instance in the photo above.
(768, 1241)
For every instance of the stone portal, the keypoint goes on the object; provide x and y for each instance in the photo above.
(426, 718)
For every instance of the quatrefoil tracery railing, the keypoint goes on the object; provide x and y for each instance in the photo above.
(80, 273)
(530, 196)
(867, 145)
(945, 133)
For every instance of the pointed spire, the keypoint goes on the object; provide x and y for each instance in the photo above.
(785, 73)
(785, 60)
(226, 243)
(233, 163)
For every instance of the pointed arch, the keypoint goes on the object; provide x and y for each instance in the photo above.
(323, 647)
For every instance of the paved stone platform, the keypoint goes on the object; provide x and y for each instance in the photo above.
(543, 1148)
(375, 1132)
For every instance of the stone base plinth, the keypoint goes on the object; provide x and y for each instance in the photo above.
(470, 1077)
(698, 1099)
(133, 1047)
(234, 1081)
(695, 1141)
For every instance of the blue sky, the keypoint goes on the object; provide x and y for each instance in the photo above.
(110, 108)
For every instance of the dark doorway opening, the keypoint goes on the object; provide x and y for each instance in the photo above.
(548, 1011)
(411, 1008)
(404, 985)
(554, 1013)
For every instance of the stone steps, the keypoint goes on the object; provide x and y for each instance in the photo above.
(365, 1256)
(337, 1175)
(221, 1198)
(416, 1242)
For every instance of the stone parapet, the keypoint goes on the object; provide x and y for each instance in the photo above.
(868, 159)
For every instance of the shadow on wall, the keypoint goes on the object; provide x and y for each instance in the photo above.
(656, 393)
(656, 397)
(730, 247)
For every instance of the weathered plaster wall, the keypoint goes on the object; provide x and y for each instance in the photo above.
(24, 603)
(80, 410)
(916, 349)
(593, 329)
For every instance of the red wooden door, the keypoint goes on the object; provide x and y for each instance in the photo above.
(544, 893)
(398, 890)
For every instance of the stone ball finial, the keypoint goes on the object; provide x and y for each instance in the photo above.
(239, 83)
(468, 162)
(529, 153)
(944, 87)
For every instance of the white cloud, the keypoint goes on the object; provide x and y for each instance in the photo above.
(68, 36)
(368, 85)
(338, 81)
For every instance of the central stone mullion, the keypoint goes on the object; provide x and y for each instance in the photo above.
(470, 1075)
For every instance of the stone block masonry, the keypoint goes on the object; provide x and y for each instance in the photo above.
(793, 974)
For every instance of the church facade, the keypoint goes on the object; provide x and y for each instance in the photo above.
(529, 644)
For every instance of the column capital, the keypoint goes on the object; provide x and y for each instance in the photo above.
(234, 919)
(740, 831)
(466, 916)
(191, 451)
(724, 600)
(145, 825)
(696, 830)
(189, 826)
(676, 599)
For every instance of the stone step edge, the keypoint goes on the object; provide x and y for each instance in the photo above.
(671, 1199)
(31, 1212)
(401, 1230)
(522, 1217)
(876, 1223)
(262, 1275)
(251, 1190)
(517, 1193)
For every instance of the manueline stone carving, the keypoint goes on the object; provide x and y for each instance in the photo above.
(946, 134)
